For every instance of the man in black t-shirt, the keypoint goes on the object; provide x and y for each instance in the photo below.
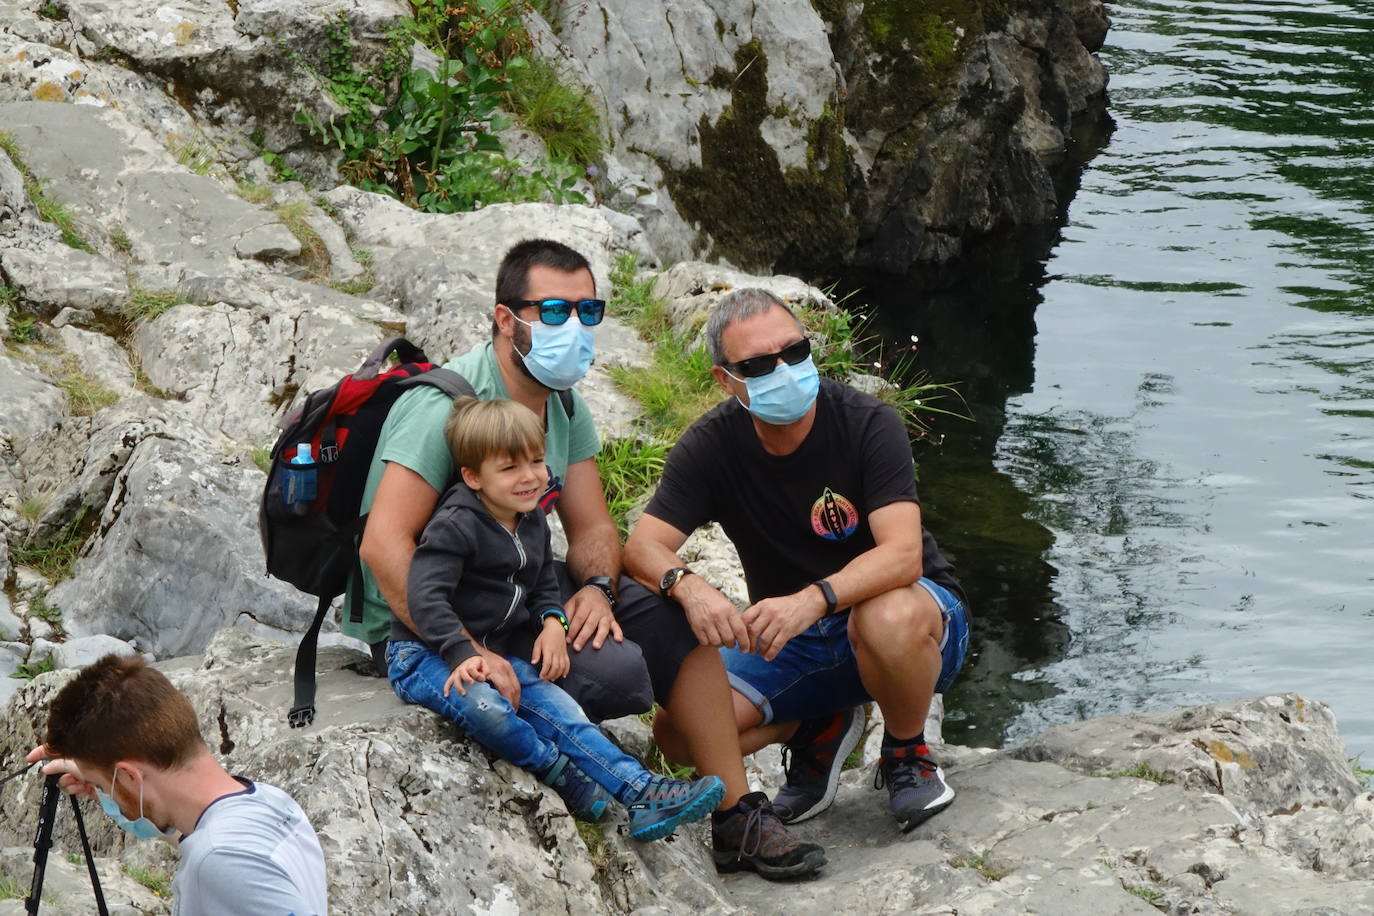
(851, 600)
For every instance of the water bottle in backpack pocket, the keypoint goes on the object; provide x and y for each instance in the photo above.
(299, 487)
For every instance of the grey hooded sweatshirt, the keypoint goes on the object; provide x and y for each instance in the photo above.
(471, 571)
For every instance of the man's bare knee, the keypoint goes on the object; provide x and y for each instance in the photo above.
(895, 616)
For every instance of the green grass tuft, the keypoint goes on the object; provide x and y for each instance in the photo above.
(155, 880)
(85, 395)
(558, 110)
(313, 252)
(1153, 897)
(146, 304)
(629, 468)
(980, 863)
(27, 672)
(1143, 770)
(54, 560)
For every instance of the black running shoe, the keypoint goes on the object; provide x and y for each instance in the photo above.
(754, 838)
(916, 786)
(813, 768)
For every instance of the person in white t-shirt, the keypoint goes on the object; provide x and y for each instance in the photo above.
(121, 733)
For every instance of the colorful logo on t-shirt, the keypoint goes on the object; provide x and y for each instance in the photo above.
(833, 517)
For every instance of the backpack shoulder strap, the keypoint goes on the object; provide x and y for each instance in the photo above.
(446, 380)
(566, 399)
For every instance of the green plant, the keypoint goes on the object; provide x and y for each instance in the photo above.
(54, 560)
(10, 889)
(28, 672)
(262, 457)
(313, 251)
(981, 864)
(49, 208)
(40, 608)
(598, 847)
(1143, 770)
(434, 146)
(146, 304)
(85, 395)
(51, 10)
(73, 859)
(31, 507)
(22, 328)
(121, 241)
(1362, 773)
(253, 192)
(197, 152)
(629, 469)
(159, 882)
(277, 163)
(558, 111)
(1153, 897)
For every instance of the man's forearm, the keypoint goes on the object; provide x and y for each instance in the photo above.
(595, 552)
(875, 571)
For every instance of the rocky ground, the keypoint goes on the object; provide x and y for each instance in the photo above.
(1239, 808)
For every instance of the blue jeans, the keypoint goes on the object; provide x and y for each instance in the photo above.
(549, 722)
(816, 673)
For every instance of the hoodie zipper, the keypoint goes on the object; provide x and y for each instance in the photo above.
(515, 586)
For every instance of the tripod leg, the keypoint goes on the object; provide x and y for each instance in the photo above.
(90, 859)
(42, 840)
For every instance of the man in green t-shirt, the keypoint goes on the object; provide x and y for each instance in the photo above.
(628, 646)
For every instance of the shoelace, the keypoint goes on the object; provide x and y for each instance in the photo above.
(754, 823)
(901, 777)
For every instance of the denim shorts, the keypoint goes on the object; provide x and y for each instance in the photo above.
(816, 673)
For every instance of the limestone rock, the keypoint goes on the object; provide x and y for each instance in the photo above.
(175, 554)
(100, 358)
(54, 275)
(11, 626)
(239, 367)
(31, 404)
(115, 177)
(80, 652)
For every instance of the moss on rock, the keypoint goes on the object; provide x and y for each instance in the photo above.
(758, 213)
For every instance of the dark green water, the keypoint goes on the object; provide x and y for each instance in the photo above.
(1168, 494)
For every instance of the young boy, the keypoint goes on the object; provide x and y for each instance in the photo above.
(481, 591)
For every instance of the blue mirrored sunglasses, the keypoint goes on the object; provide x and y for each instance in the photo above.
(556, 311)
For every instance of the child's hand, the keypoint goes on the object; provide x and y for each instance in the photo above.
(469, 671)
(552, 648)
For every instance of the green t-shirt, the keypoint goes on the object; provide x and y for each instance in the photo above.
(413, 436)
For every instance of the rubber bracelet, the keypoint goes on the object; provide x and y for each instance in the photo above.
(829, 594)
(555, 612)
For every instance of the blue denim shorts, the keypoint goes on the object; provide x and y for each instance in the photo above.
(816, 673)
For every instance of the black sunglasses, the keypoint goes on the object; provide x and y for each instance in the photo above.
(756, 366)
(556, 311)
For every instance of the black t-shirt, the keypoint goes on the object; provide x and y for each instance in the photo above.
(799, 517)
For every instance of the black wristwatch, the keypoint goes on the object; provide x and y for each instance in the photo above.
(604, 585)
(671, 578)
(828, 593)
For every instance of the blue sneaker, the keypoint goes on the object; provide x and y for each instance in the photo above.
(813, 767)
(916, 785)
(586, 800)
(665, 803)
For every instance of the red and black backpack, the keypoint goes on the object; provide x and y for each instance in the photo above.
(314, 544)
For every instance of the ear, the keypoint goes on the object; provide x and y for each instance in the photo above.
(505, 320)
(722, 378)
(471, 478)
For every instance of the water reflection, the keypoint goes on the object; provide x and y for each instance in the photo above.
(1164, 495)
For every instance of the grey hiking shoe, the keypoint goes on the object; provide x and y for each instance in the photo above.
(754, 838)
(813, 768)
(916, 786)
(665, 803)
(586, 800)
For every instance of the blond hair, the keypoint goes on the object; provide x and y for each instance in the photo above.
(477, 430)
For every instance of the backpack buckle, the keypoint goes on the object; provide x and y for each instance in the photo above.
(301, 716)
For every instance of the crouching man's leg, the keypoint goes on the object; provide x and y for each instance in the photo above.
(909, 643)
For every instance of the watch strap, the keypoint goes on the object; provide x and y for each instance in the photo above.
(829, 594)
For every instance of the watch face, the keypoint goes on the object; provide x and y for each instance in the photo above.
(670, 578)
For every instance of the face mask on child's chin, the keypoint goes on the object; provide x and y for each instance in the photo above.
(140, 828)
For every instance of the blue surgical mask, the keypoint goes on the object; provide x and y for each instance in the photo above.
(140, 829)
(784, 395)
(560, 354)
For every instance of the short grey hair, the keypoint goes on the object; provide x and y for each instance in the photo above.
(738, 305)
